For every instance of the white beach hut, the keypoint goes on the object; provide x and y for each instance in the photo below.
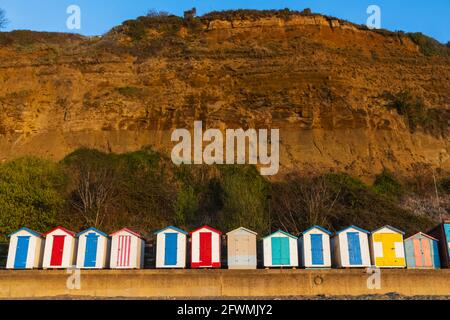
(315, 249)
(205, 248)
(60, 249)
(25, 249)
(93, 249)
(241, 247)
(127, 250)
(280, 250)
(171, 248)
(351, 248)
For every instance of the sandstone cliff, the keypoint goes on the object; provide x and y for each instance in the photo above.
(323, 82)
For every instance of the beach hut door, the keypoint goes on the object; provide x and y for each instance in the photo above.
(171, 249)
(57, 250)
(242, 250)
(90, 257)
(354, 248)
(123, 251)
(20, 260)
(280, 251)
(205, 248)
(422, 253)
(317, 249)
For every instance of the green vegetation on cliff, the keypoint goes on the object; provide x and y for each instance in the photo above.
(144, 190)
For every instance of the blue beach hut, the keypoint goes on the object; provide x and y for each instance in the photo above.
(26, 248)
(314, 246)
(350, 248)
(93, 249)
(171, 248)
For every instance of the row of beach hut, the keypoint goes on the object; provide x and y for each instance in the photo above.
(316, 247)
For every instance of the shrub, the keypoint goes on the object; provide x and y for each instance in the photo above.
(427, 45)
(30, 194)
(131, 92)
(413, 109)
(244, 198)
(386, 184)
(445, 185)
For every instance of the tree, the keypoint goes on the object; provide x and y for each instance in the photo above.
(3, 20)
(94, 178)
(29, 194)
(300, 202)
(244, 198)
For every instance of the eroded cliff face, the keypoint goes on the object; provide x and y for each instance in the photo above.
(321, 81)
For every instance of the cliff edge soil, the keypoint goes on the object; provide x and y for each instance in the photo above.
(325, 83)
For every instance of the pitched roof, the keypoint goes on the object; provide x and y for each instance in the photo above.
(317, 227)
(389, 227)
(92, 229)
(422, 234)
(283, 232)
(171, 227)
(34, 233)
(62, 229)
(353, 227)
(206, 227)
(242, 228)
(127, 230)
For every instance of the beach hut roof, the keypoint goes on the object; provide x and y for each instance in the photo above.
(127, 230)
(206, 227)
(389, 227)
(34, 233)
(353, 227)
(317, 227)
(171, 227)
(62, 229)
(283, 232)
(94, 230)
(242, 228)
(422, 234)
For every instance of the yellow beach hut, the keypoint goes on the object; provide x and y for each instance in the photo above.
(387, 248)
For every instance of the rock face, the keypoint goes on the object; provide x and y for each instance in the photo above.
(321, 81)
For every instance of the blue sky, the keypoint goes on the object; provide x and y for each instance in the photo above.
(98, 16)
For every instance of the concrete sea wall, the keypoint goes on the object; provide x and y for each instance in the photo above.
(219, 283)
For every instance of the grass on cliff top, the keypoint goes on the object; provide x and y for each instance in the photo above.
(144, 190)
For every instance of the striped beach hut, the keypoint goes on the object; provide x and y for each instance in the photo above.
(315, 251)
(386, 248)
(205, 247)
(60, 248)
(93, 249)
(127, 250)
(351, 248)
(25, 249)
(280, 250)
(241, 247)
(171, 248)
(442, 233)
(422, 252)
